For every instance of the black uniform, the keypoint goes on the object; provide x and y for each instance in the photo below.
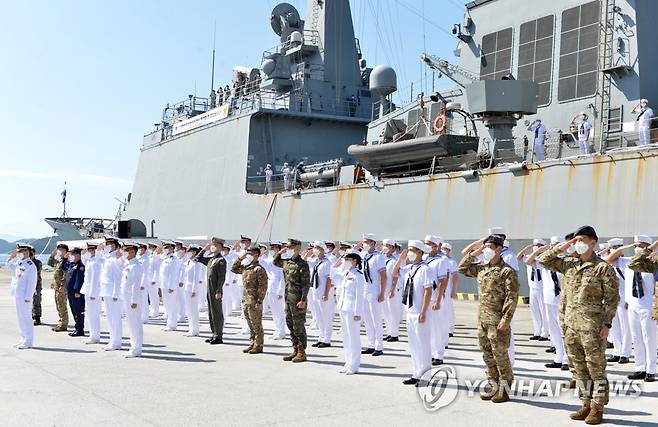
(75, 277)
(216, 270)
(36, 301)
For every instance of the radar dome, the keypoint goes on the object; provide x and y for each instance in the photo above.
(383, 80)
(268, 66)
(296, 37)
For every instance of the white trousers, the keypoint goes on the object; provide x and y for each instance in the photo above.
(350, 329)
(171, 307)
(25, 322)
(555, 333)
(620, 333)
(93, 317)
(584, 147)
(393, 310)
(419, 345)
(277, 307)
(539, 151)
(537, 311)
(373, 322)
(113, 311)
(180, 300)
(643, 329)
(645, 135)
(438, 331)
(192, 312)
(227, 302)
(144, 305)
(326, 311)
(450, 313)
(154, 300)
(136, 328)
(313, 308)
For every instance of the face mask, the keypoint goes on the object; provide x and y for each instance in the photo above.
(181, 253)
(638, 250)
(124, 256)
(581, 247)
(534, 248)
(412, 256)
(106, 250)
(488, 254)
(316, 252)
(346, 266)
(58, 258)
(341, 252)
(247, 260)
(58, 253)
(213, 249)
(386, 250)
(243, 245)
(446, 253)
(150, 252)
(367, 247)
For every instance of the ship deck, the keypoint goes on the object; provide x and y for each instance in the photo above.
(182, 381)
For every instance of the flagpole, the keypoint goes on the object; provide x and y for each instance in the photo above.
(64, 200)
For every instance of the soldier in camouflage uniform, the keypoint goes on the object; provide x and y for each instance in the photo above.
(36, 302)
(58, 260)
(254, 279)
(588, 307)
(298, 281)
(646, 262)
(498, 293)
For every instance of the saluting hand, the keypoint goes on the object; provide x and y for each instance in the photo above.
(301, 305)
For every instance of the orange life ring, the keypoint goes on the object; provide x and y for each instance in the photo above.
(444, 124)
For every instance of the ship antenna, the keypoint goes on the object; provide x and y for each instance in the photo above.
(212, 73)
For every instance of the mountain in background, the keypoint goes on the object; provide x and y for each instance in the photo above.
(42, 245)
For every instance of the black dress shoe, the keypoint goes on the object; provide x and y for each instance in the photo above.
(608, 344)
(422, 383)
(543, 339)
(216, 341)
(451, 335)
(410, 381)
(77, 334)
(323, 345)
(317, 344)
(377, 353)
(387, 337)
(550, 350)
(208, 339)
(650, 378)
(565, 367)
(393, 339)
(437, 362)
(623, 360)
(553, 365)
(534, 338)
(368, 351)
(637, 375)
(613, 359)
(37, 321)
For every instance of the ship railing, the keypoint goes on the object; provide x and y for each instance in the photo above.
(311, 38)
(189, 107)
(257, 185)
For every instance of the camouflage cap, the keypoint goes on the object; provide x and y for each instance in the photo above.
(76, 251)
(587, 231)
(218, 240)
(254, 249)
(294, 242)
(495, 239)
(63, 246)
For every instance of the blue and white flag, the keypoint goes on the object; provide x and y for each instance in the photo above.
(63, 194)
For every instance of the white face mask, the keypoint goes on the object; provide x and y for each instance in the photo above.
(488, 254)
(581, 247)
(181, 253)
(124, 256)
(247, 260)
(106, 250)
(341, 252)
(346, 266)
(243, 245)
(638, 250)
(386, 250)
(412, 256)
(316, 251)
(213, 249)
(149, 252)
(58, 258)
(367, 247)
(571, 250)
(58, 253)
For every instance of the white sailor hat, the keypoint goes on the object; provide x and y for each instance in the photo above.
(320, 244)
(369, 236)
(244, 237)
(644, 100)
(352, 251)
(582, 113)
(497, 230)
(447, 246)
(418, 245)
(604, 246)
(538, 242)
(262, 245)
(276, 242)
(178, 242)
(389, 242)
(330, 243)
(194, 247)
(556, 239)
(616, 242)
(643, 239)
(345, 243)
(434, 239)
(506, 243)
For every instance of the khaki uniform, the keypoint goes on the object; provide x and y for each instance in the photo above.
(298, 281)
(498, 294)
(254, 279)
(61, 298)
(591, 297)
(645, 263)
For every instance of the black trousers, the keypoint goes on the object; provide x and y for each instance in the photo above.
(78, 309)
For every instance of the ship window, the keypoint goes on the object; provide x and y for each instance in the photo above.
(579, 52)
(496, 56)
(536, 55)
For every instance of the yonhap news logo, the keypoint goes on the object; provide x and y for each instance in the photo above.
(439, 388)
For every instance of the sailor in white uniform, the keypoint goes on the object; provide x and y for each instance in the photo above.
(351, 307)
(374, 271)
(393, 308)
(644, 118)
(144, 260)
(91, 289)
(193, 276)
(268, 179)
(286, 176)
(111, 265)
(155, 259)
(584, 127)
(23, 287)
(416, 297)
(451, 290)
(438, 265)
(323, 296)
(275, 290)
(536, 284)
(620, 333)
(181, 256)
(540, 137)
(131, 283)
(169, 275)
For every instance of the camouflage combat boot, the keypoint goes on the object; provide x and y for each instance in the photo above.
(60, 328)
(502, 395)
(595, 415)
(572, 384)
(488, 394)
(248, 349)
(580, 414)
(301, 355)
(256, 349)
(291, 356)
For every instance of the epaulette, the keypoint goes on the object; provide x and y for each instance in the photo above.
(29, 262)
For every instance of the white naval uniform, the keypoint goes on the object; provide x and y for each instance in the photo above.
(643, 327)
(351, 304)
(620, 333)
(131, 281)
(274, 296)
(169, 274)
(229, 301)
(535, 275)
(644, 125)
(110, 279)
(153, 283)
(373, 263)
(551, 293)
(180, 296)
(393, 308)
(416, 279)
(144, 260)
(510, 259)
(193, 275)
(449, 301)
(584, 128)
(438, 266)
(91, 289)
(539, 138)
(320, 270)
(23, 286)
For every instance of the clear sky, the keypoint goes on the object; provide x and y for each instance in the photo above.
(82, 81)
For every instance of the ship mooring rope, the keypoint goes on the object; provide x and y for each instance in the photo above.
(267, 217)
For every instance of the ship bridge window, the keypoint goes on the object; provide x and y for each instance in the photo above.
(496, 55)
(536, 55)
(579, 52)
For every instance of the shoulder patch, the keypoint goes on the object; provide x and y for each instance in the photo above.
(29, 262)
